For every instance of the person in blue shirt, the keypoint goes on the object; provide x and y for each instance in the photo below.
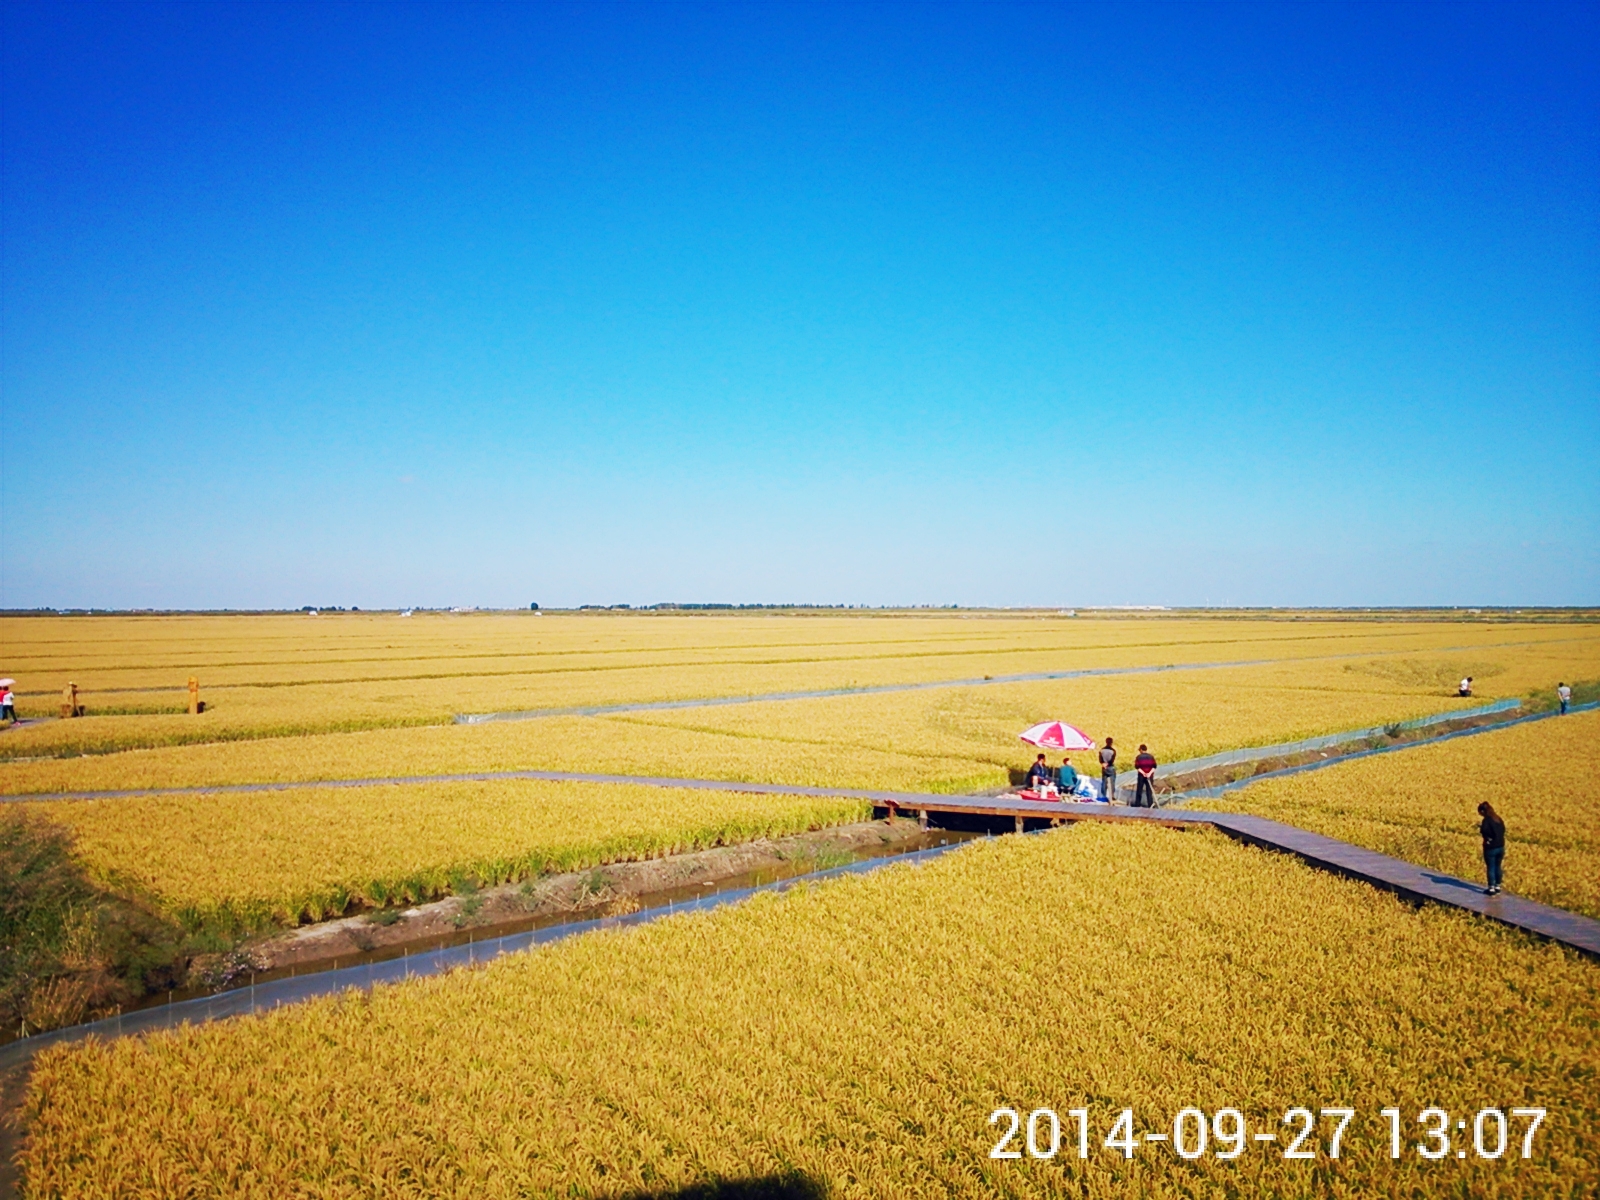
(1067, 778)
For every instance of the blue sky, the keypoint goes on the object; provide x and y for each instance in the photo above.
(385, 305)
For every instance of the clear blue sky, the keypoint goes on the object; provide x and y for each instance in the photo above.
(386, 304)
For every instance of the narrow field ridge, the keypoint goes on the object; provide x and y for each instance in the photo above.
(1404, 879)
(1228, 756)
(595, 710)
(1223, 789)
(599, 710)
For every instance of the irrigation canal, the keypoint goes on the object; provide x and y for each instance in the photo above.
(1405, 879)
(395, 966)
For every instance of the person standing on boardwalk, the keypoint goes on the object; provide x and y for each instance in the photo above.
(1108, 772)
(8, 705)
(1563, 694)
(1493, 832)
(1144, 788)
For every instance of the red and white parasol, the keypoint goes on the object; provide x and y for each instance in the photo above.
(1057, 735)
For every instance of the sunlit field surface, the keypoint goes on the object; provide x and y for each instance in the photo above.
(948, 739)
(1421, 805)
(243, 860)
(285, 675)
(859, 1034)
(248, 861)
(306, 852)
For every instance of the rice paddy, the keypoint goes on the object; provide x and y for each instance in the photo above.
(853, 1036)
(858, 1035)
(1543, 778)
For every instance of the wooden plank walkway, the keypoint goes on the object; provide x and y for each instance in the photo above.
(1392, 874)
(1404, 879)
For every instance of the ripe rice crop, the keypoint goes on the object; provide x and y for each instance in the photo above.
(945, 739)
(289, 675)
(860, 1033)
(246, 861)
(1421, 805)
(555, 743)
(1182, 714)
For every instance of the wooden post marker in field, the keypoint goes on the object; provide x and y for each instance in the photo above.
(194, 696)
(69, 702)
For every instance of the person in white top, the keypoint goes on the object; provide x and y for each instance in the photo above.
(8, 706)
(1563, 694)
(1466, 687)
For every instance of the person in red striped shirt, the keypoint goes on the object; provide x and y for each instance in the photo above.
(1144, 790)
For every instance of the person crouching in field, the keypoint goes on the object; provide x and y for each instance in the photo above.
(1466, 687)
(1493, 832)
(1144, 789)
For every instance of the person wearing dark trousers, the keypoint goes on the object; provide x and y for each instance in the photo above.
(1108, 772)
(1038, 773)
(1144, 789)
(1493, 832)
(1563, 694)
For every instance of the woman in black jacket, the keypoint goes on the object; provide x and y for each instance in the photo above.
(1493, 832)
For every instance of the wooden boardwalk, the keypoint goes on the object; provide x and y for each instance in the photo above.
(1392, 874)
(1405, 879)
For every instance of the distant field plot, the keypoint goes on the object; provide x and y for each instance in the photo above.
(1182, 714)
(244, 862)
(859, 1035)
(944, 739)
(1421, 805)
(289, 675)
(592, 744)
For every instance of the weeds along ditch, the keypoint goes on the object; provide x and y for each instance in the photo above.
(1195, 787)
(104, 938)
(862, 1033)
(261, 991)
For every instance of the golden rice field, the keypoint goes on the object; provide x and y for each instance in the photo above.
(859, 1034)
(942, 738)
(275, 676)
(223, 860)
(253, 857)
(247, 861)
(1420, 805)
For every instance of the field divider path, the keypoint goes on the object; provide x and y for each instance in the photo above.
(1222, 789)
(600, 710)
(1247, 754)
(1404, 879)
